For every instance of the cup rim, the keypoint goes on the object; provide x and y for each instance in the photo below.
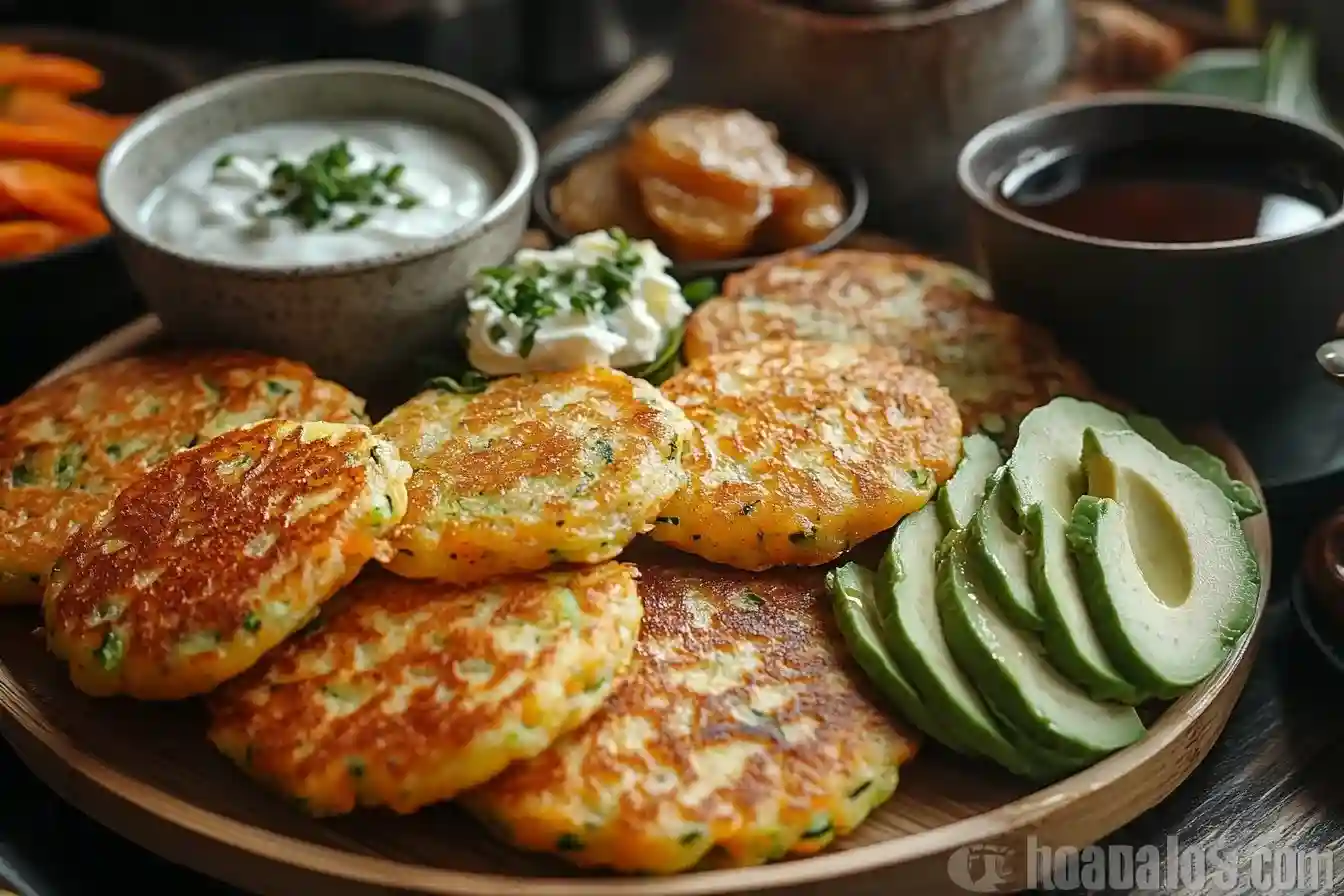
(516, 190)
(983, 196)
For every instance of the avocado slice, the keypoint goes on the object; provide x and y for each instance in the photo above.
(1043, 468)
(1169, 577)
(1212, 468)
(851, 588)
(1001, 559)
(1069, 636)
(959, 497)
(914, 638)
(1015, 678)
(1044, 479)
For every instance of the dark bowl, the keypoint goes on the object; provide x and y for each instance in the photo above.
(58, 301)
(1188, 330)
(569, 151)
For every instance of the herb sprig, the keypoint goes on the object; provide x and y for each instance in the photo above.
(313, 191)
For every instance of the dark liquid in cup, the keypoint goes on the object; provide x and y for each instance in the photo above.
(1155, 193)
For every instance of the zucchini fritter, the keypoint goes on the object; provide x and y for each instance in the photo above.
(536, 470)
(68, 446)
(804, 450)
(219, 553)
(741, 734)
(405, 693)
(996, 365)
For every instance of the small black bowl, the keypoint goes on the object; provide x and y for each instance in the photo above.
(59, 301)
(569, 151)
(1187, 330)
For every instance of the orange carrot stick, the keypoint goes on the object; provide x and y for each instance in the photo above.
(48, 72)
(81, 186)
(36, 141)
(26, 105)
(40, 191)
(20, 238)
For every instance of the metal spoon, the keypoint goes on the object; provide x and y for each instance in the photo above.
(1331, 358)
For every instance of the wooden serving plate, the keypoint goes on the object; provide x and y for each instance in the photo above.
(147, 772)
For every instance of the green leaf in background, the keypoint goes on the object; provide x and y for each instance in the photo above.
(1281, 76)
(1290, 77)
(1226, 74)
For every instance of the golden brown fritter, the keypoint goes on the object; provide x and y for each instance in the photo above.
(68, 446)
(804, 449)
(406, 693)
(742, 734)
(217, 554)
(996, 365)
(536, 470)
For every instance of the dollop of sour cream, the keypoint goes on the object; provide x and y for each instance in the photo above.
(600, 299)
(322, 192)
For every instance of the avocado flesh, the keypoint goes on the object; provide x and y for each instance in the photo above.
(959, 497)
(1043, 468)
(1014, 677)
(1242, 496)
(1169, 577)
(1070, 638)
(1001, 557)
(851, 588)
(914, 639)
(1044, 479)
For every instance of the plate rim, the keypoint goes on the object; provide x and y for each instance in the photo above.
(28, 732)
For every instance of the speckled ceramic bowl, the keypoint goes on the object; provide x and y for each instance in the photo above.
(359, 322)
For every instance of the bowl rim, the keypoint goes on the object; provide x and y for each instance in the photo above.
(603, 133)
(515, 191)
(179, 74)
(984, 196)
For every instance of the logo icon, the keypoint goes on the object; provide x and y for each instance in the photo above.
(983, 868)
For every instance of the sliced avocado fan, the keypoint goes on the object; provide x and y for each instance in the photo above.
(1241, 495)
(1165, 567)
(851, 588)
(1043, 479)
(1016, 680)
(906, 583)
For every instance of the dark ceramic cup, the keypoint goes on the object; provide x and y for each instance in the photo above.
(1188, 330)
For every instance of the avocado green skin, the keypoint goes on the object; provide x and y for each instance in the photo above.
(1212, 468)
(1099, 683)
(996, 683)
(847, 587)
(972, 736)
(965, 491)
(1052, 765)
(1089, 516)
(1011, 590)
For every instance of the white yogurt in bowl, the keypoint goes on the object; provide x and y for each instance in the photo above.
(322, 192)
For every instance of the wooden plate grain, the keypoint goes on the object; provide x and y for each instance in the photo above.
(147, 772)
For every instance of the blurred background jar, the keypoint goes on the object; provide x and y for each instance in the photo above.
(542, 46)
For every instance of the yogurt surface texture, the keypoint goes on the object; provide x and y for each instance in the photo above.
(600, 299)
(322, 192)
